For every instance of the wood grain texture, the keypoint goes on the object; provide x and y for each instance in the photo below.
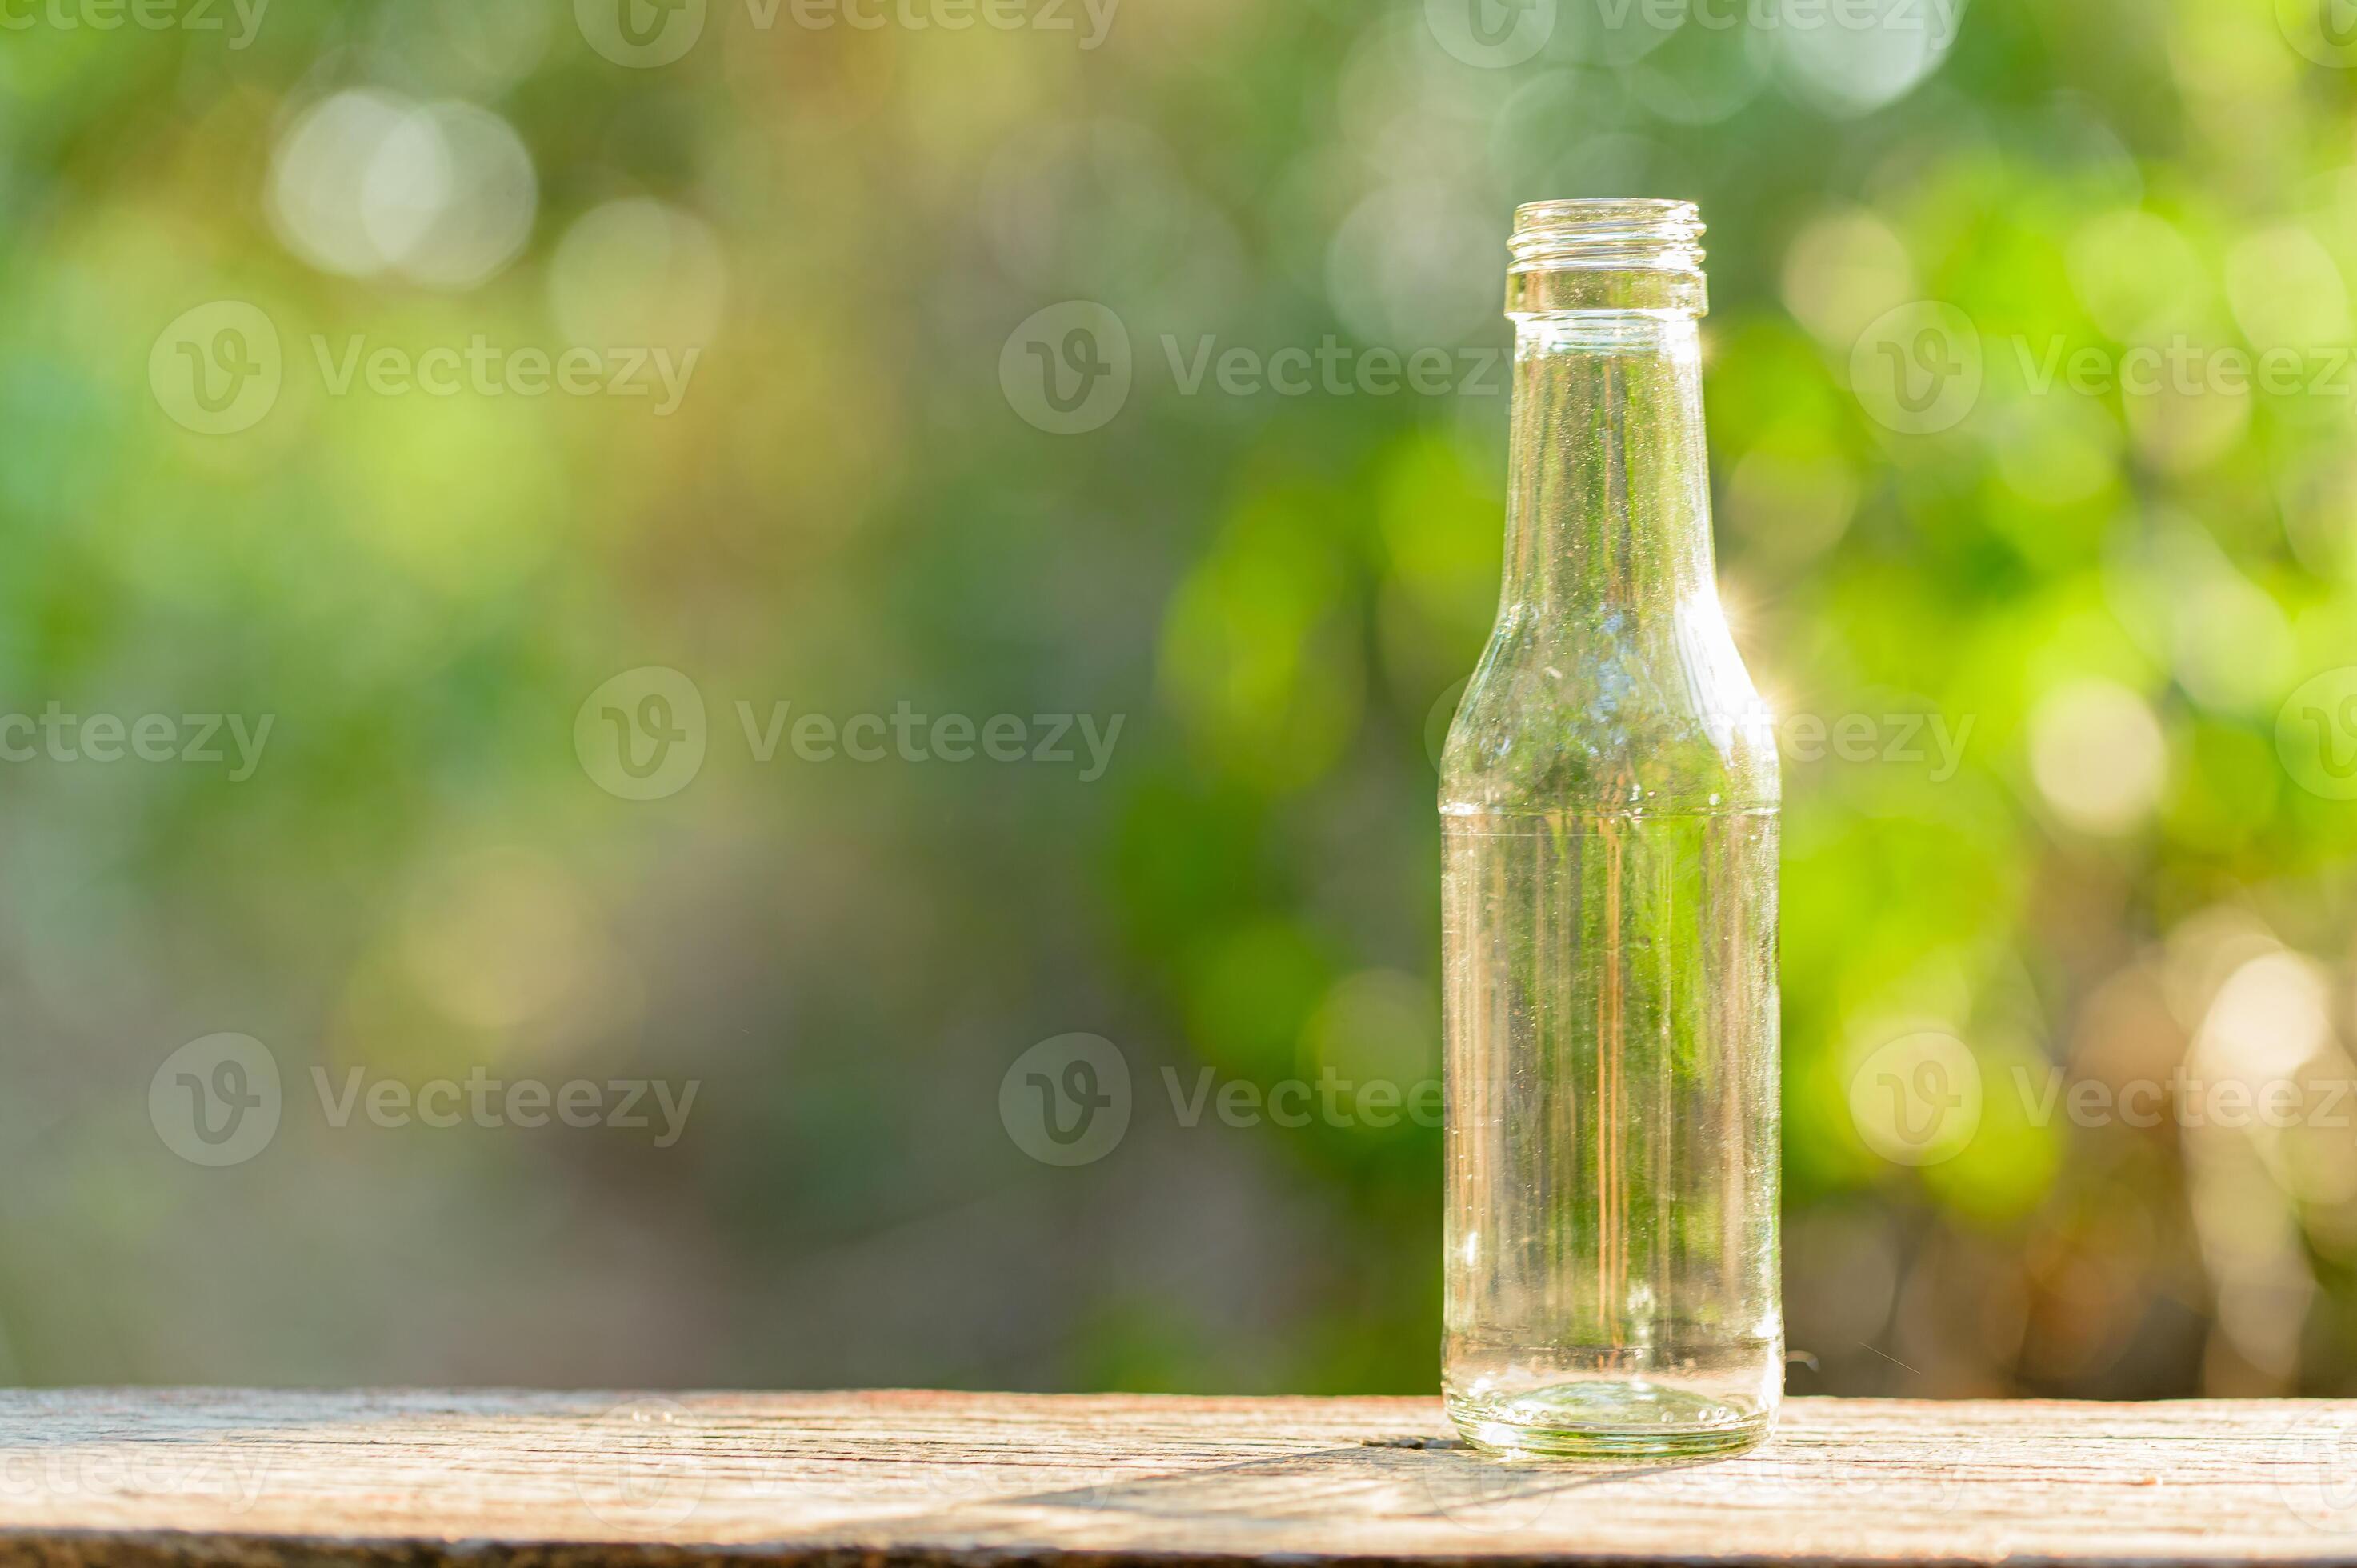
(133, 1479)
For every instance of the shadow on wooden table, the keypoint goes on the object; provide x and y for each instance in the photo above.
(1379, 1480)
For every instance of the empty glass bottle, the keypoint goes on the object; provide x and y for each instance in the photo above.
(1609, 810)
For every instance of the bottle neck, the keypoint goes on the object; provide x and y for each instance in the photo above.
(1609, 490)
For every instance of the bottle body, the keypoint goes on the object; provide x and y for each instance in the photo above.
(1609, 827)
(1612, 1144)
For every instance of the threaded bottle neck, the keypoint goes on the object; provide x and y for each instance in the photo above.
(1612, 256)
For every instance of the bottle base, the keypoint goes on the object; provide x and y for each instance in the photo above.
(1609, 1418)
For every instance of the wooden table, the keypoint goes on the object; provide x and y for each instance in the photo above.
(538, 1480)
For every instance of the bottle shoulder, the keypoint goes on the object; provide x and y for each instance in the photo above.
(1611, 711)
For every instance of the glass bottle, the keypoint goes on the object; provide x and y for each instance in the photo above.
(1608, 813)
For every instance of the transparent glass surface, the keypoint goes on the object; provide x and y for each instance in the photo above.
(1609, 806)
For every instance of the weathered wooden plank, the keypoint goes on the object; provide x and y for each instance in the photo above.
(133, 1479)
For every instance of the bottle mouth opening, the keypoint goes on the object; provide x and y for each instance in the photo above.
(1659, 234)
(1563, 250)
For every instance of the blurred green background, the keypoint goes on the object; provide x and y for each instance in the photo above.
(2132, 606)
